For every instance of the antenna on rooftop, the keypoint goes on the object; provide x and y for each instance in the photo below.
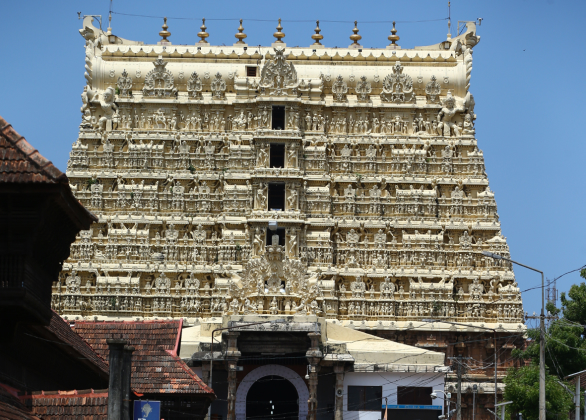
(551, 293)
(449, 21)
(109, 32)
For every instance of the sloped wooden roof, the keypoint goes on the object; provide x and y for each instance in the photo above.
(156, 368)
(20, 162)
(63, 332)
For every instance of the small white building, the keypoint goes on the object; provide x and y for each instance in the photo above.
(386, 374)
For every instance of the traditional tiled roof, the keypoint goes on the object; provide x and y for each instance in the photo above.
(12, 409)
(156, 368)
(63, 332)
(78, 405)
(20, 162)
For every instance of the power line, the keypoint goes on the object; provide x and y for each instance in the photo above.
(284, 20)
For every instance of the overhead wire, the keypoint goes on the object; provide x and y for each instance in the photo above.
(273, 20)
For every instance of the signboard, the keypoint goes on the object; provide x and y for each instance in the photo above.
(147, 410)
(413, 407)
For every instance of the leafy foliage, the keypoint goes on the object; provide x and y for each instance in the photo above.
(565, 353)
(522, 387)
(574, 305)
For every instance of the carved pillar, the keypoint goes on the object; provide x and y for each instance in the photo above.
(339, 371)
(232, 356)
(314, 356)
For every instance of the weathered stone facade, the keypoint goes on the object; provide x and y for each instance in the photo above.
(342, 183)
(366, 159)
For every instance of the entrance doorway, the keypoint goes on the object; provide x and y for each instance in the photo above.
(272, 397)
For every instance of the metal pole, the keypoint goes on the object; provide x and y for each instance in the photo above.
(542, 353)
(541, 332)
(495, 377)
(459, 395)
(577, 397)
(473, 405)
(502, 412)
(211, 369)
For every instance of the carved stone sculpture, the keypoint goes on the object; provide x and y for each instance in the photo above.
(380, 197)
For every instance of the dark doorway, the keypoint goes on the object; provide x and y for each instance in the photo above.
(272, 397)
(279, 232)
(276, 196)
(397, 414)
(278, 117)
(277, 157)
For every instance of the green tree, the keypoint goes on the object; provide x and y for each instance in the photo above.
(574, 305)
(565, 353)
(522, 387)
(565, 338)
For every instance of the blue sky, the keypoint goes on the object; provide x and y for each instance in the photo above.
(527, 81)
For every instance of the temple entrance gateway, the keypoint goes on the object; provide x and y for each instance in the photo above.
(272, 397)
(279, 384)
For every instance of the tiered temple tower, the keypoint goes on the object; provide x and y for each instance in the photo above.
(343, 183)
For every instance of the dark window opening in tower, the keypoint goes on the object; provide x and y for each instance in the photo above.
(277, 156)
(278, 117)
(276, 196)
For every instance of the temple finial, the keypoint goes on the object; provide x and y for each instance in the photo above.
(317, 37)
(449, 21)
(165, 33)
(394, 37)
(355, 37)
(279, 34)
(240, 35)
(203, 34)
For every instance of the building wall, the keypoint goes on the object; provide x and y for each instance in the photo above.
(389, 381)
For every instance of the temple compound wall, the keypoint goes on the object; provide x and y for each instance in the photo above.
(345, 184)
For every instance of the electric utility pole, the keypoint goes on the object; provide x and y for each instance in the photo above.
(459, 372)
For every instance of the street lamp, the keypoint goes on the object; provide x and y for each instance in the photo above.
(541, 332)
(447, 395)
(495, 353)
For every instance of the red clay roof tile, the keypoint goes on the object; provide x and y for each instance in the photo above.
(156, 367)
(61, 329)
(87, 404)
(21, 162)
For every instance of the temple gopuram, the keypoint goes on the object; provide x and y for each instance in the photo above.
(323, 188)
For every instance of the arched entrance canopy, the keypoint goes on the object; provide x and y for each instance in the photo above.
(270, 370)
